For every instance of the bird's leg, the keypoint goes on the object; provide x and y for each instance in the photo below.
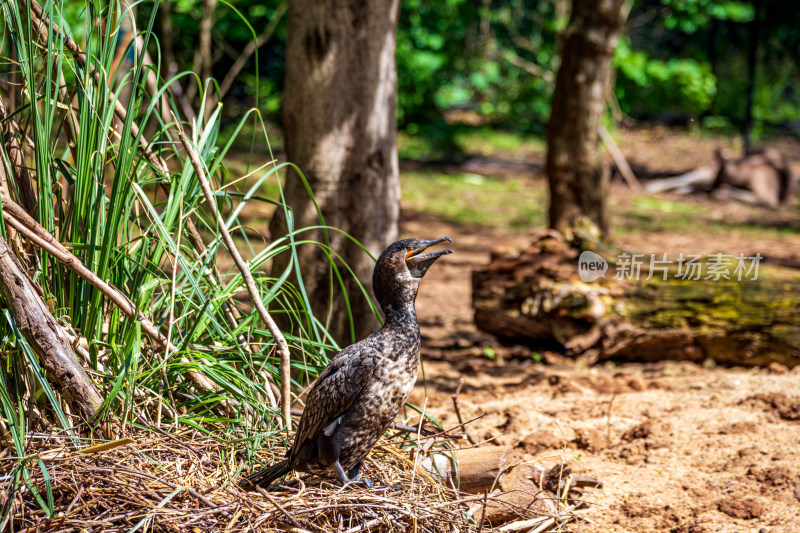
(356, 471)
(340, 473)
(344, 479)
(354, 477)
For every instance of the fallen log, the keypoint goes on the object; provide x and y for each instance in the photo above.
(514, 490)
(46, 337)
(472, 470)
(537, 297)
(699, 179)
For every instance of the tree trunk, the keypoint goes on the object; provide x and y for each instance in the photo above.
(578, 181)
(203, 60)
(46, 337)
(169, 65)
(752, 65)
(339, 121)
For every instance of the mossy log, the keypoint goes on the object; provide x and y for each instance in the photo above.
(536, 297)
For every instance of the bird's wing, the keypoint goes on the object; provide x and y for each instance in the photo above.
(337, 387)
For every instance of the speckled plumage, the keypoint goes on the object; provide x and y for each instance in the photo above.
(361, 390)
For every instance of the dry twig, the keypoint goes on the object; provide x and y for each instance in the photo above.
(10, 131)
(461, 423)
(619, 160)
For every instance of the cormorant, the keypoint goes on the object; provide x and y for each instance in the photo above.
(361, 390)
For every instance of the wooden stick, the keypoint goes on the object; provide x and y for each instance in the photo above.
(281, 346)
(619, 159)
(697, 179)
(522, 524)
(483, 511)
(278, 506)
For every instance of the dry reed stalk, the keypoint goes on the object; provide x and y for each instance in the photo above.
(280, 342)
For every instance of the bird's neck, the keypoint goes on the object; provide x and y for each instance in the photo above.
(397, 302)
(401, 314)
(402, 331)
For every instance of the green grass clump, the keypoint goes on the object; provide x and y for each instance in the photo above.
(652, 214)
(125, 212)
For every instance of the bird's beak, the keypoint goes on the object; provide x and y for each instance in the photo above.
(419, 263)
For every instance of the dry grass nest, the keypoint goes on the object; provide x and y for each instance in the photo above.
(188, 483)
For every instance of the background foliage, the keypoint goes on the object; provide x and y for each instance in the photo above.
(494, 61)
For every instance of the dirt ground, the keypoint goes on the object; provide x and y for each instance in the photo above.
(678, 447)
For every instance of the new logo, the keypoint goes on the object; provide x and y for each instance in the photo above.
(591, 266)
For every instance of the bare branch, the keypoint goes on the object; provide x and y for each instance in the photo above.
(619, 159)
(10, 131)
(457, 408)
(528, 66)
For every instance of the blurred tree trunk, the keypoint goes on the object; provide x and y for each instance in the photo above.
(578, 181)
(752, 65)
(203, 61)
(340, 127)
(169, 64)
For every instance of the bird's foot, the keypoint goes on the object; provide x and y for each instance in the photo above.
(395, 486)
(351, 479)
(367, 483)
(359, 481)
(355, 475)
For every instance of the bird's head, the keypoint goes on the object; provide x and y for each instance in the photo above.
(400, 268)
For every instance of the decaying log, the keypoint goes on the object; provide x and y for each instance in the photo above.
(46, 337)
(520, 495)
(512, 491)
(764, 174)
(762, 177)
(536, 297)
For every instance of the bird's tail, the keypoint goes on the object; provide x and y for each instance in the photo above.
(265, 477)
